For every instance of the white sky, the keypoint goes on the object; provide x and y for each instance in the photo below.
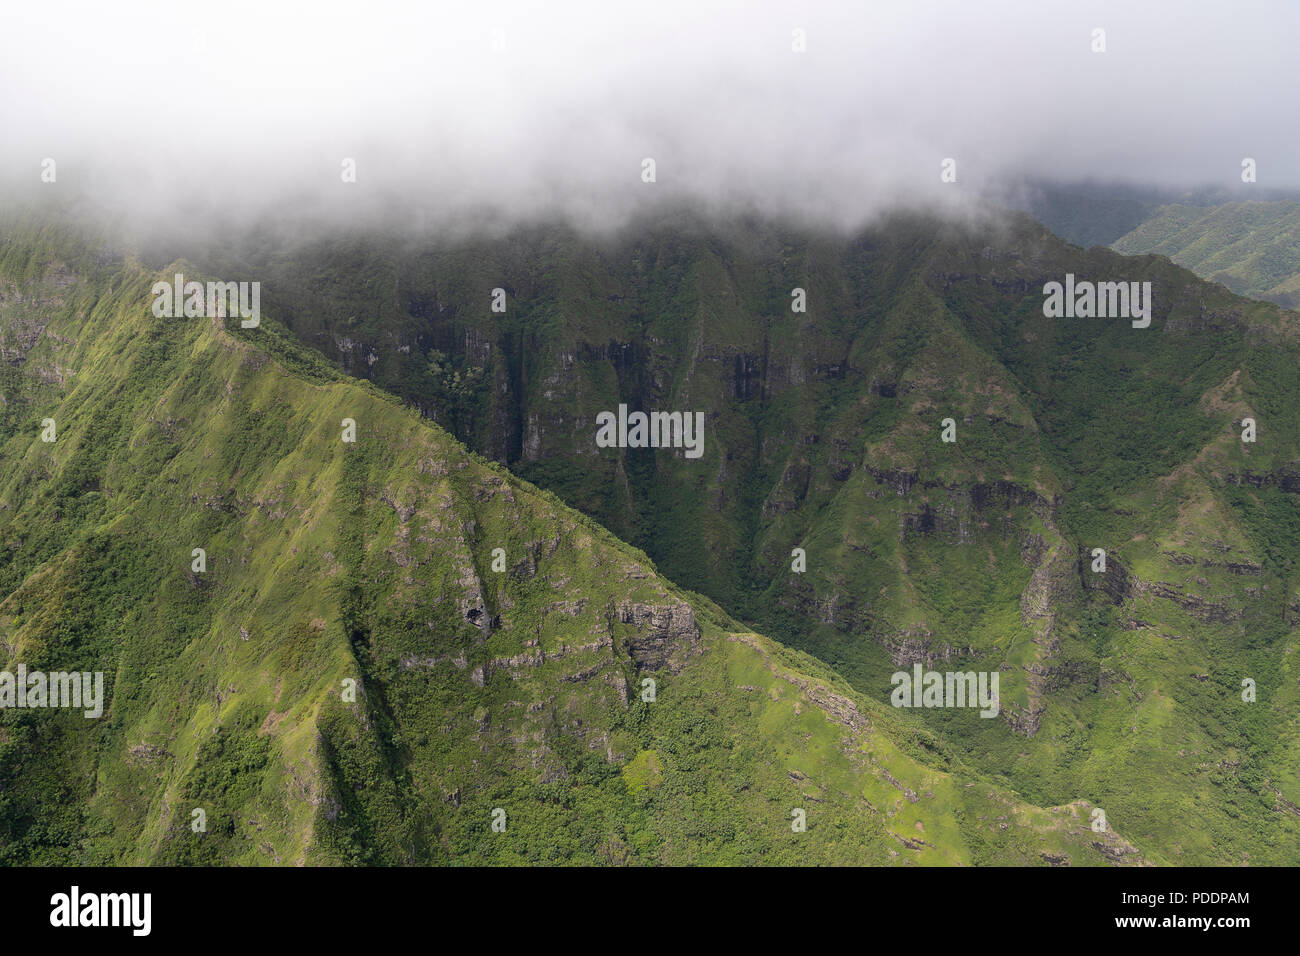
(244, 103)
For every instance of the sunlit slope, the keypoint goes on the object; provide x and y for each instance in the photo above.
(824, 433)
(1253, 248)
(519, 690)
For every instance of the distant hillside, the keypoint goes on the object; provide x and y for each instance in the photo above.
(1253, 248)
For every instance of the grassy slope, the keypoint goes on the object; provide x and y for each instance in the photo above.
(328, 561)
(823, 433)
(1253, 248)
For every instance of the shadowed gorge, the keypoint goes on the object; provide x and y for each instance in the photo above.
(823, 433)
(521, 690)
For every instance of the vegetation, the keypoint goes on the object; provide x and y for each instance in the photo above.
(1253, 248)
(1123, 688)
(331, 567)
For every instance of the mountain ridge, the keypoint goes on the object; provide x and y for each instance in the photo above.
(823, 433)
(225, 695)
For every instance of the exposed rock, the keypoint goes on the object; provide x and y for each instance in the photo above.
(914, 645)
(665, 636)
(1115, 581)
(1201, 609)
(1288, 481)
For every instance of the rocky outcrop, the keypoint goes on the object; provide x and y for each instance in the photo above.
(1207, 612)
(662, 635)
(1115, 581)
(915, 645)
(1023, 720)
(1288, 481)
(955, 511)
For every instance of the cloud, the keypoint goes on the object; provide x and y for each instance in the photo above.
(237, 108)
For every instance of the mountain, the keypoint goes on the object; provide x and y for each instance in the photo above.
(1130, 686)
(1253, 248)
(1251, 245)
(1090, 214)
(515, 696)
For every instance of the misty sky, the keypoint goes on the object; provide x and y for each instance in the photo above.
(245, 103)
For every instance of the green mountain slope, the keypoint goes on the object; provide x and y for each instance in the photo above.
(1253, 248)
(519, 690)
(823, 433)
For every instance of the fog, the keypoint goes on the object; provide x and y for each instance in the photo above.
(225, 112)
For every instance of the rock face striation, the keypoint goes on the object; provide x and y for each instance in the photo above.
(367, 651)
(824, 433)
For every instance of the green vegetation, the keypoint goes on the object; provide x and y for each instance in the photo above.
(332, 567)
(1253, 248)
(1123, 689)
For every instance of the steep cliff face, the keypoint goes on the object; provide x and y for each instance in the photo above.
(823, 432)
(389, 645)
